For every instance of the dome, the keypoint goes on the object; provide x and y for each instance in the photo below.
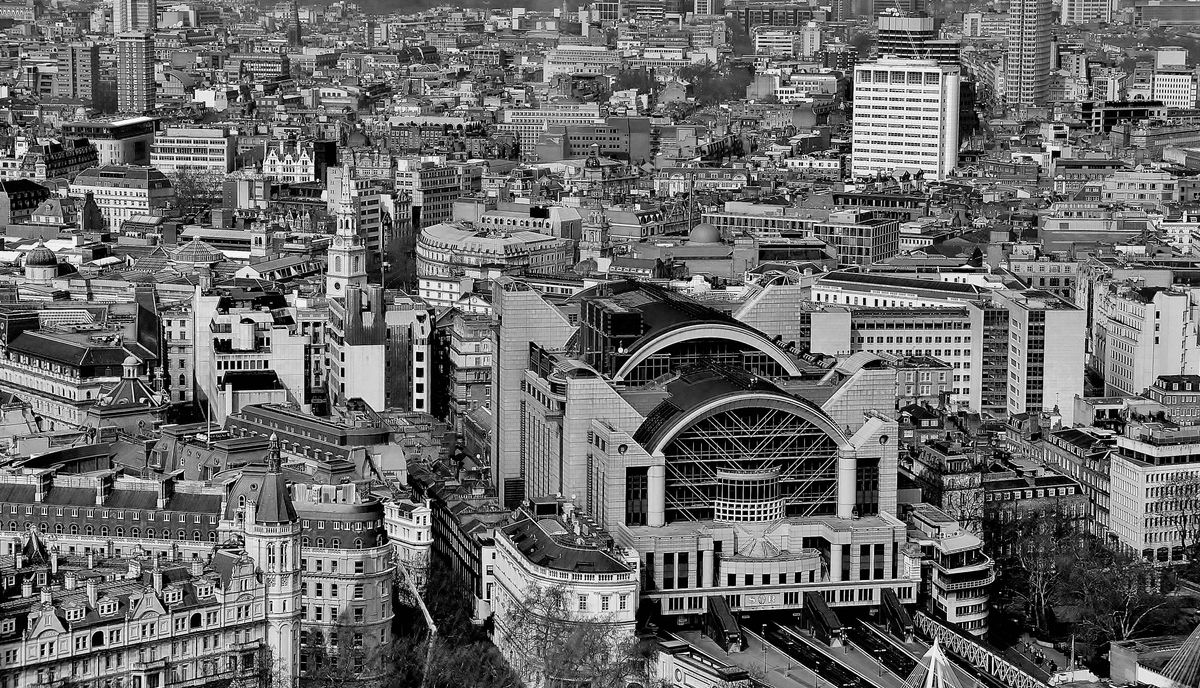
(131, 360)
(198, 252)
(40, 257)
(704, 233)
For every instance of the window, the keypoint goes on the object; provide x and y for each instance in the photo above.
(583, 603)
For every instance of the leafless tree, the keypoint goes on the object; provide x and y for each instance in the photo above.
(196, 190)
(545, 637)
(1119, 595)
(1034, 553)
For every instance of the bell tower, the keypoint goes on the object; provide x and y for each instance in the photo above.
(347, 255)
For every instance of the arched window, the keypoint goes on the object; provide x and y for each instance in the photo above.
(150, 533)
(103, 531)
(196, 535)
(304, 541)
(182, 379)
(320, 542)
(337, 265)
(335, 543)
(134, 532)
(12, 525)
(182, 534)
(241, 501)
(88, 530)
(74, 529)
(357, 543)
(58, 529)
(212, 536)
(120, 531)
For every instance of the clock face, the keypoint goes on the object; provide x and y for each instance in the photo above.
(337, 286)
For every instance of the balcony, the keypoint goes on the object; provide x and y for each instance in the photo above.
(150, 664)
(963, 565)
(964, 585)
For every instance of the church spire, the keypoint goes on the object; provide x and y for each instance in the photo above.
(346, 259)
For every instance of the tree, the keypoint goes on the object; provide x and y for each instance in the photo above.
(459, 655)
(1118, 595)
(545, 637)
(712, 86)
(641, 79)
(1034, 554)
(341, 655)
(196, 190)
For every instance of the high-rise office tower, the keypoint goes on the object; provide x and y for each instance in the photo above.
(78, 71)
(135, 72)
(295, 36)
(1029, 55)
(1085, 11)
(134, 15)
(914, 38)
(905, 117)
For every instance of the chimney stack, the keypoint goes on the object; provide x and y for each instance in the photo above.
(197, 567)
(27, 588)
(20, 559)
(91, 561)
(54, 560)
(47, 597)
(157, 577)
(93, 592)
(70, 580)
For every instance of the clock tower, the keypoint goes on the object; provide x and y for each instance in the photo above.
(346, 260)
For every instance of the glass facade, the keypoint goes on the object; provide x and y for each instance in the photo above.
(740, 463)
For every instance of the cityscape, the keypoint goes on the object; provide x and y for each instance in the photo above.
(600, 344)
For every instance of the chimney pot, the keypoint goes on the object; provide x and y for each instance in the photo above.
(197, 567)
(47, 596)
(93, 592)
(27, 588)
(70, 580)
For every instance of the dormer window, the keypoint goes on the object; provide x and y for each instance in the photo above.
(108, 608)
(8, 625)
(203, 590)
(75, 614)
(172, 596)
